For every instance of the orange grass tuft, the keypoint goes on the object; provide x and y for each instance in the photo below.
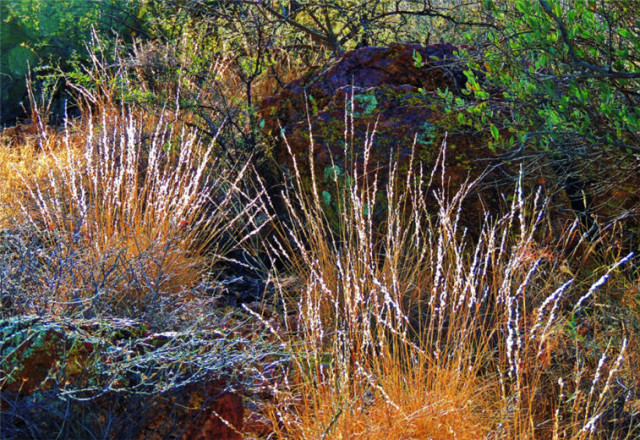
(133, 213)
(408, 329)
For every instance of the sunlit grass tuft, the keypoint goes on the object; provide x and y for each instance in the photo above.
(406, 327)
(127, 213)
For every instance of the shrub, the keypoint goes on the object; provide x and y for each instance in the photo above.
(46, 33)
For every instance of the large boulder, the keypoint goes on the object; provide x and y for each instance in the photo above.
(392, 94)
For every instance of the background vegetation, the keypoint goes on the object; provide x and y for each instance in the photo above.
(135, 186)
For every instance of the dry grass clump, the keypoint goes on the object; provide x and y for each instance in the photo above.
(410, 329)
(21, 154)
(126, 212)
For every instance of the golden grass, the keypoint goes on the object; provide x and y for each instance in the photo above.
(21, 155)
(408, 329)
(130, 205)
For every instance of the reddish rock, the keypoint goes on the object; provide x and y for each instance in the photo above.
(257, 425)
(112, 364)
(36, 353)
(364, 68)
(219, 417)
(385, 89)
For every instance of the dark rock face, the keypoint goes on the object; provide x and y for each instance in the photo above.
(368, 67)
(384, 92)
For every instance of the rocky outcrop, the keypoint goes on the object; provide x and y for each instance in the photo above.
(114, 379)
(390, 93)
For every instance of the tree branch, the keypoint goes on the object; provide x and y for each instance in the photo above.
(608, 73)
(435, 14)
(312, 32)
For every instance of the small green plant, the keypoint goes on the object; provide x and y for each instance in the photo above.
(427, 134)
(340, 184)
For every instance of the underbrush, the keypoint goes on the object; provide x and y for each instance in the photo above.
(113, 234)
(405, 326)
(402, 325)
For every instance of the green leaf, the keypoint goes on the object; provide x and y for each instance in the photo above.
(326, 197)
(332, 173)
(417, 59)
(471, 78)
(348, 181)
(625, 33)
(494, 132)
(522, 6)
